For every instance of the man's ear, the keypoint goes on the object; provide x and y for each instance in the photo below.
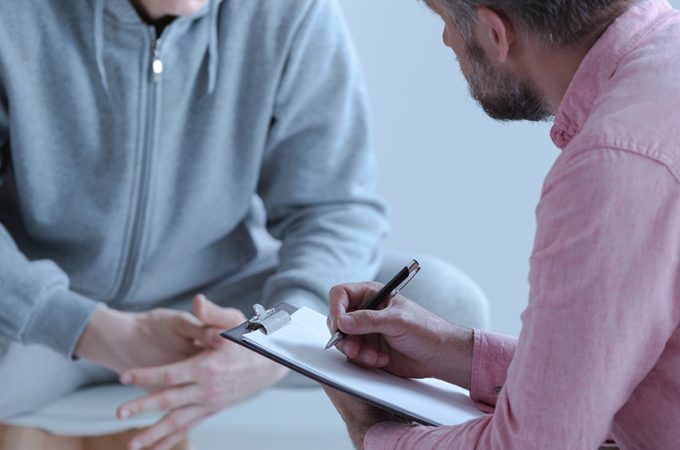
(497, 34)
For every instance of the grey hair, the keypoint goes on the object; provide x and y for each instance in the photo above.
(555, 22)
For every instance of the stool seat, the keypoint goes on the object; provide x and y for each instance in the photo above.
(87, 412)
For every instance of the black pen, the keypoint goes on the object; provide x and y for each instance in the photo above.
(392, 288)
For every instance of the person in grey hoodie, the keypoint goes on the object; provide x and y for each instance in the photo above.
(150, 150)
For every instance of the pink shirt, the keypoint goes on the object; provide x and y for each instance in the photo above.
(599, 351)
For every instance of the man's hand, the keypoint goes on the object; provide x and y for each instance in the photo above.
(402, 338)
(121, 340)
(191, 390)
(358, 415)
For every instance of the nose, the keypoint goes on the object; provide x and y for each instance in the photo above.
(445, 39)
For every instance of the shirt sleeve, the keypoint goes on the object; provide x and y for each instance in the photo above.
(601, 309)
(318, 180)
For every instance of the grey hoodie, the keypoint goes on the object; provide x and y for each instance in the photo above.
(130, 187)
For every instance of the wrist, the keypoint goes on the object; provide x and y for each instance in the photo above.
(455, 364)
(103, 340)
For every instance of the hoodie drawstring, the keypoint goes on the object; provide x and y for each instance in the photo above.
(99, 42)
(213, 58)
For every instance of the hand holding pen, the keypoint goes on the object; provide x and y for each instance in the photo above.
(389, 290)
(402, 337)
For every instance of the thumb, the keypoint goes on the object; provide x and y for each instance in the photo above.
(384, 321)
(216, 316)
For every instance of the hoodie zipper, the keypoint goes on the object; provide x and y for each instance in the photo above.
(157, 62)
(149, 142)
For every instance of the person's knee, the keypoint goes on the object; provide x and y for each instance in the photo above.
(446, 291)
(32, 376)
(13, 402)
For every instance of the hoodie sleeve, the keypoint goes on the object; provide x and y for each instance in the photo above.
(36, 305)
(319, 176)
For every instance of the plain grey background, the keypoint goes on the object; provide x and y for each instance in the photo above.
(460, 186)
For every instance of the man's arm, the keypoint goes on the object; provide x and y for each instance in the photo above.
(601, 310)
(318, 179)
(36, 305)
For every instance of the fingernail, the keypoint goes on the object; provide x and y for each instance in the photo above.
(126, 379)
(124, 413)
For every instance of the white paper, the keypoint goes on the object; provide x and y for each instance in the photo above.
(303, 341)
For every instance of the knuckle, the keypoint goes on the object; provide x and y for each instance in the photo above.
(335, 290)
(401, 316)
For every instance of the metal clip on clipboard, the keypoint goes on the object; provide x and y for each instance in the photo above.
(269, 320)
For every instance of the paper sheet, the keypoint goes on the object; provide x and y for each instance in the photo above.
(303, 341)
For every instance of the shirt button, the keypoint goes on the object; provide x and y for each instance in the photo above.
(497, 390)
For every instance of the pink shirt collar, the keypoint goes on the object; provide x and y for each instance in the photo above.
(600, 64)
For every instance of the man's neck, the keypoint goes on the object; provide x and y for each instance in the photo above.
(552, 69)
(156, 19)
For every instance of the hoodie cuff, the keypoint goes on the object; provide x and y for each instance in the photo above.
(59, 320)
(298, 297)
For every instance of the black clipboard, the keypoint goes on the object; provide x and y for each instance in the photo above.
(260, 321)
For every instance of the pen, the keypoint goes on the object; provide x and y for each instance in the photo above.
(389, 290)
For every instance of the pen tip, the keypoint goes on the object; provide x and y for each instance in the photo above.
(333, 340)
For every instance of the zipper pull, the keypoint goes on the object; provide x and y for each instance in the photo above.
(157, 64)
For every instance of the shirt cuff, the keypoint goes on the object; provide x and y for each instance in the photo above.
(385, 435)
(58, 321)
(491, 356)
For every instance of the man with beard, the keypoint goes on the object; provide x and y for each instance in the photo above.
(599, 351)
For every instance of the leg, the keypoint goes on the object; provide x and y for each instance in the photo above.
(34, 376)
(442, 289)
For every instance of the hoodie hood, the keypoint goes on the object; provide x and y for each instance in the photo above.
(122, 10)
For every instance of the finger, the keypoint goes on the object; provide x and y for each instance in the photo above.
(165, 400)
(169, 442)
(361, 354)
(191, 328)
(177, 421)
(370, 357)
(388, 321)
(347, 297)
(216, 316)
(198, 367)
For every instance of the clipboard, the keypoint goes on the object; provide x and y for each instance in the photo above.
(408, 398)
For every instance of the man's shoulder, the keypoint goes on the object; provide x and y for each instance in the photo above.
(637, 112)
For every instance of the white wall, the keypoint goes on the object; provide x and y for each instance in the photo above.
(461, 186)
